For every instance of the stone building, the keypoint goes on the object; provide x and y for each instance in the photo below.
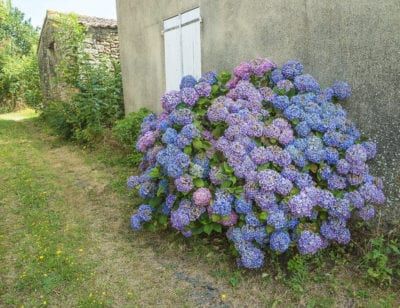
(355, 41)
(101, 41)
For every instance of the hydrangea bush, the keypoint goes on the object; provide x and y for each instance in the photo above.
(265, 156)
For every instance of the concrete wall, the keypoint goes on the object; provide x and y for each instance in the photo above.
(357, 41)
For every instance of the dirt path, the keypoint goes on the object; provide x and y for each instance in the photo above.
(126, 264)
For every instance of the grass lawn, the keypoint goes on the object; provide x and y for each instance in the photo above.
(65, 241)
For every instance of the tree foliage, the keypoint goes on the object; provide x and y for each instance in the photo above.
(19, 76)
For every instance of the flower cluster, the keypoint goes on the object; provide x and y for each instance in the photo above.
(265, 155)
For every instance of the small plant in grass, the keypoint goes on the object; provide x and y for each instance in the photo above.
(265, 156)
(382, 262)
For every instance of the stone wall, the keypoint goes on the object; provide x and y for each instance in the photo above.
(101, 42)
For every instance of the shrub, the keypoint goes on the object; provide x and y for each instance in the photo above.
(266, 156)
(127, 130)
(96, 106)
(97, 102)
(19, 74)
(57, 115)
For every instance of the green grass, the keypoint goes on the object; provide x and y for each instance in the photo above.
(65, 241)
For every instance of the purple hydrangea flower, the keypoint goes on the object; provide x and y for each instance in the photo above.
(203, 89)
(170, 100)
(261, 66)
(280, 102)
(184, 183)
(335, 230)
(370, 149)
(181, 116)
(309, 242)
(243, 70)
(242, 206)
(189, 96)
(284, 85)
(301, 205)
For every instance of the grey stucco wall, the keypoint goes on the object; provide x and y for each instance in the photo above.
(357, 41)
(142, 48)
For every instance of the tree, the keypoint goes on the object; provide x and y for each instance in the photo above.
(19, 77)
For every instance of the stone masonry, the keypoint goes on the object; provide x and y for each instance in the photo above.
(101, 42)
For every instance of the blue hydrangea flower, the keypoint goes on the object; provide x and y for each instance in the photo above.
(277, 219)
(279, 241)
(187, 81)
(209, 77)
(306, 83)
(309, 242)
(242, 206)
(291, 69)
(341, 90)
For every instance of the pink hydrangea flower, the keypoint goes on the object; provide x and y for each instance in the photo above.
(230, 220)
(202, 197)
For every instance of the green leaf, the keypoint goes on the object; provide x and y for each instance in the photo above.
(197, 230)
(155, 202)
(188, 150)
(208, 229)
(263, 215)
(269, 229)
(197, 144)
(226, 184)
(214, 90)
(227, 169)
(224, 77)
(163, 220)
(215, 218)
(264, 167)
(154, 173)
(160, 191)
(181, 106)
(239, 190)
(199, 183)
(218, 131)
(217, 227)
(313, 168)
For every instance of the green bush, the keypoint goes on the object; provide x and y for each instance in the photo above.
(127, 130)
(96, 106)
(57, 115)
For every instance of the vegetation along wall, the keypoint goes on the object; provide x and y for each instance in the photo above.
(100, 41)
